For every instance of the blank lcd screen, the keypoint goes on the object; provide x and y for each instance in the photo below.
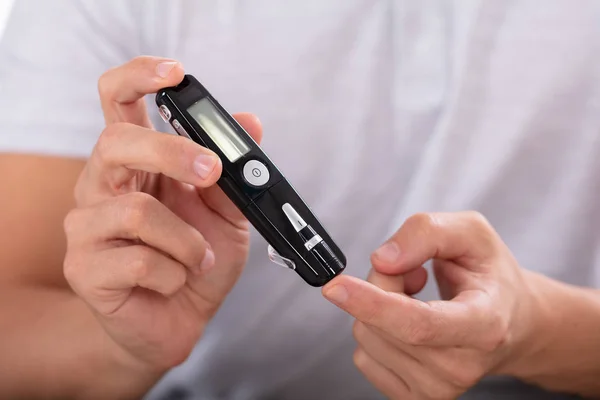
(219, 130)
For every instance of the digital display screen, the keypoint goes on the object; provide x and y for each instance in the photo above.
(219, 130)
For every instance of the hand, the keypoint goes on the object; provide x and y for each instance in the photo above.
(154, 246)
(411, 349)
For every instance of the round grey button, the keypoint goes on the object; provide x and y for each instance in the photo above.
(256, 173)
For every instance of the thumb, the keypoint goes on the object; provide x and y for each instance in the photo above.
(465, 238)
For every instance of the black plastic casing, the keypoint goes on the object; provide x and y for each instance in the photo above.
(262, 206)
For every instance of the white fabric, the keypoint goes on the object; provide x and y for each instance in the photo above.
(401, 106)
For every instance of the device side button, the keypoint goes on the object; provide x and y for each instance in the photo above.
(179, 129)
(165, 113)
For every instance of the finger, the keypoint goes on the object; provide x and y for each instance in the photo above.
(466, 237)
(139, 217)
(415, 280)
(453, 365)
(105, 279)
(409, 320)
(122, 89)
(422, 379)
(123, 150)
(213, 196)
(388, 283)
(251, 124)
(380, 377)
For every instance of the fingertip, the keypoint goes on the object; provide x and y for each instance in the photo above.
(208, 167)
(340, 289)
(217, 171)
(359, 298)
(208, 262)
(247, 118)
(169, 72)
(388, 253)
(336, 293)
(251, 123)
(389, 260)
(177, 74)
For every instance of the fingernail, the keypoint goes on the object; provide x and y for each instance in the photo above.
(388, 253)
(208, 261)
(204, 165)
(164, 69)
(337, 294)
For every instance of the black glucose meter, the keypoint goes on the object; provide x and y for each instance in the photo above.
(296, 238)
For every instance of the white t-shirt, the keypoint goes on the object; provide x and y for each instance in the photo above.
(400, 106)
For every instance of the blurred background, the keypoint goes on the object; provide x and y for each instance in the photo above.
(4, 10)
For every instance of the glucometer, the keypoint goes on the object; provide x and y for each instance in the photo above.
(296, 238)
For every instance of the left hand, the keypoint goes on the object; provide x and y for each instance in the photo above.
(411, 349)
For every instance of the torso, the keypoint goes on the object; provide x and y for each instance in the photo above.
(401, 107)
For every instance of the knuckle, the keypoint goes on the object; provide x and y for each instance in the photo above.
(176, 357)
(108, 139)
(179, 279)
(113, 132)
(141, 201)
(104, 83)
(483, 230)
(462, 375)
(137, 207)
(477, 220)
(467, 376)
(419, 335)
(79, 192)
(68, 267)
(498, 333)
(141, 262)
(422, 222)
(439, 392)
(71, 269)
(359, 358)
(71, 223)
(173, 146)
(372, 313)
(358, 331)
(140, 61)
(196, 250)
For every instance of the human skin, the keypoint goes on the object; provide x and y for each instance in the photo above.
(151, 247)
(494, 317)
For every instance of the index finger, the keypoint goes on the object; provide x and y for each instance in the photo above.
(125, 149)
(122, 89)
(414, 322)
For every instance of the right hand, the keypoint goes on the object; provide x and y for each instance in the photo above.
(154, 246)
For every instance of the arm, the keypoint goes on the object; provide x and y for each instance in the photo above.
(564, 353)
(51, 56)
(73, 358)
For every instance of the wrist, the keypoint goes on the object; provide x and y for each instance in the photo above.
(533, 325)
